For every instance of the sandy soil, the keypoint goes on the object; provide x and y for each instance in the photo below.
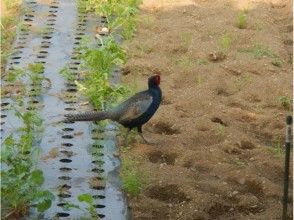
(220, 128)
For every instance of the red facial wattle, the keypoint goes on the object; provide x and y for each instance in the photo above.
(157, 80)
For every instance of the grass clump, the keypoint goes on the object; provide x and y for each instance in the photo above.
(286, 102)
(132, 179)
(277, 147)
(225, 43)
(259, 51)
(242, 20)
(9, 22)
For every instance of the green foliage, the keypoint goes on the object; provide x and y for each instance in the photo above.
(9, 21)
(14, 75)
(277, 147)
(21, 182)
(120, 14)
(67, 74)
(286, 102)
(242, 20)
(132, 179)
(87, 198)
(225, 42)
(201, 61)
(36, 68)
(99, 63)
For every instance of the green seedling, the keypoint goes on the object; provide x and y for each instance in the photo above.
(242, 20)
(15, 74)
(99, 63)
(225, 42)
(201, 61)
(132, 179)
(277, 148)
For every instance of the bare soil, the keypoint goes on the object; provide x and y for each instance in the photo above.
(220, 129)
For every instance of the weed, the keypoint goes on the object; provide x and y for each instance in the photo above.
(199, 80)
(67, 74)
(277, 62)
(147, 21)
(144, 48)
(87, 198)
(225, 42)
(99, 62)
(259, 51)
(241, 81)
(9, 21)
(277, 148)
(132, 179)
(201, 61)
(36, 68)
(286, 102)
(185, 62)
(242, 20)
(15, 74)
(220, 130)
(186, 39)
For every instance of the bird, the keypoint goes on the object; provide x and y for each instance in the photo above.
(132, 113)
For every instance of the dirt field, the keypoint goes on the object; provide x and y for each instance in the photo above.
(220, 128)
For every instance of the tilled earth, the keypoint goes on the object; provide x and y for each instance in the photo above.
(220, 129)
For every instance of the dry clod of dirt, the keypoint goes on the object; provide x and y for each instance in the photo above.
(218, 120)
(217, 56)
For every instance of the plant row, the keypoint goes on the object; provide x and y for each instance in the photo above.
(22, 182)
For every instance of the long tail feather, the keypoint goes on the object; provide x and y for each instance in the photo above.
(88, 116)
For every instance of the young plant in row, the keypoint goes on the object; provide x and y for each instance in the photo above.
(21, 186)
(98, 62)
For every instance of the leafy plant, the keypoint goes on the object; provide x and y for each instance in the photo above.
(14, 74)
(132, 179)
(21, 181)
(201, 61)
(87, 198)
(67, 74)
(99, 63)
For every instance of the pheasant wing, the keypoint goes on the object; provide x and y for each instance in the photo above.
(134, 107)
